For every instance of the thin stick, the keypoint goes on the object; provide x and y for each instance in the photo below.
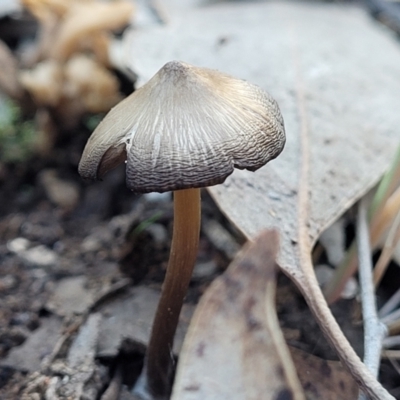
(390, 305)
(394, 354)
(374, 330)
(391, 341)
(184, 247)
(389, 248)
(391, 318)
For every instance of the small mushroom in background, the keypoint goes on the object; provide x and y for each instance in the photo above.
(187, 128)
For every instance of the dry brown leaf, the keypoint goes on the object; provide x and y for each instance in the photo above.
(44, 82)
(48, 14)
(78, 86)
(91, 84)
(234, 348)
(318, 61)
(43, 10)
(85, 19)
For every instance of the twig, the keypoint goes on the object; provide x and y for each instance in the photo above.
(389, 248)
(108, 292)
(393, 327)
(390, 305)
(374, 330)
(70, 331)
(391, 354)
(391, 341)
(391, 317)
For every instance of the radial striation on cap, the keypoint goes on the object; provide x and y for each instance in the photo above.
(188, 127)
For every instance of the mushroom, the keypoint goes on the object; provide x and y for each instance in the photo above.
(186, 128)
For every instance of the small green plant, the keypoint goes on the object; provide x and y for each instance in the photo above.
(92, 121)
(145, 224)
(17, 137)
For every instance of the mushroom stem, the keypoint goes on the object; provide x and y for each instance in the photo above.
(184, 248)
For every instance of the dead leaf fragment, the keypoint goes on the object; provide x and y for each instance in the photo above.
(323, 379)
(88, 82)
(130, 317)
(71, 296)
(44, 82)
(37, 346)
(234, 348)
(86, 19)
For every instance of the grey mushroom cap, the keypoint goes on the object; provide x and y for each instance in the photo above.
(188, 127)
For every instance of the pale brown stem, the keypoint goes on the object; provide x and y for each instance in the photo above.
(184, 248)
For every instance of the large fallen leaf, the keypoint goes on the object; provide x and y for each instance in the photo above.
(234, 348)
(336, 77)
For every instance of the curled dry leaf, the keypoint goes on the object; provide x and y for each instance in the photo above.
(80, 85)
(44, 10)
(234, 348)
(44, 82)
(69, 26)
(90, 83)
(341, 125)
(88, 19)
(48, 14)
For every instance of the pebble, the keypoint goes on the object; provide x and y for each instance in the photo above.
(18, 245)
(91, 244)
(39, 256)
(7, 282)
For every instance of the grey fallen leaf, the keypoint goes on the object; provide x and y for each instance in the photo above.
(130, 317)
(36, 347)
(234, 348)
(317, 61)
(70, 296)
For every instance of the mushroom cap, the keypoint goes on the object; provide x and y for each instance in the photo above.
(187, 127)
